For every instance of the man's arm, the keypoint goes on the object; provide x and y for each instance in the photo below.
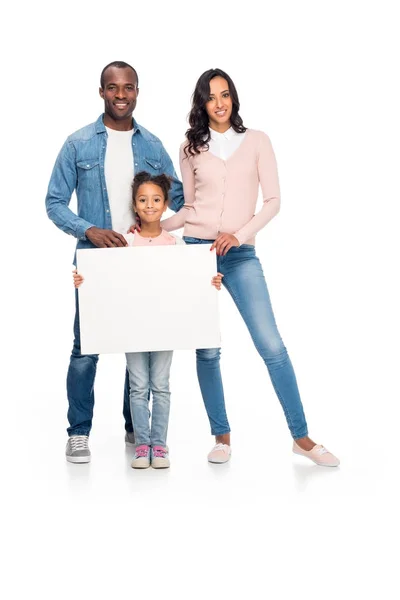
(176, 193)
(63, 181)
(62, 184)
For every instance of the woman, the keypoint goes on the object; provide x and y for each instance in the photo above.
(222, 164)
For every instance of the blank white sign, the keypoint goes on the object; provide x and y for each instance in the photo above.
(142, 299)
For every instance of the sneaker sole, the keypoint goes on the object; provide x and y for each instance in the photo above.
(314, 461)
(78, 459)
(160, 466)
(140, 465)
(218, 462)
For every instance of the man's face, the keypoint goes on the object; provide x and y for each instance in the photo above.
(120, 93)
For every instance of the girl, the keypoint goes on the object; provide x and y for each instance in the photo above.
(222, 164)
(150, 370)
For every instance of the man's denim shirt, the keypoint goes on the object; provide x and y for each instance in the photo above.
(80, 166)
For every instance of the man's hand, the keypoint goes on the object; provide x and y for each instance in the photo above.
(105, 238)
(224, 242)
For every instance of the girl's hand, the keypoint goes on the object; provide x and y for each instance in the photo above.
(217, 280)
(224, 242)
(78, 279)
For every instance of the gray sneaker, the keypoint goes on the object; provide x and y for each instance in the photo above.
(77, 450)
(130, 438)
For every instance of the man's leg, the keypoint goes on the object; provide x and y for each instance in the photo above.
(80, 383)
(126, 409)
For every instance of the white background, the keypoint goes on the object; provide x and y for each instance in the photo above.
(321, 78)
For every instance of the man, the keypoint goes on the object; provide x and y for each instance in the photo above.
(99, 162)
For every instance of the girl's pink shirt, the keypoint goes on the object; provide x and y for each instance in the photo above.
(164, 239)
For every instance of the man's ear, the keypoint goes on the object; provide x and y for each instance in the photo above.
(101, 92)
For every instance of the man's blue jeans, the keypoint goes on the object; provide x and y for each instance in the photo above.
(80, 387)
(244, 280)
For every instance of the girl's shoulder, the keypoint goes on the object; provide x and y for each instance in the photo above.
(129, 238)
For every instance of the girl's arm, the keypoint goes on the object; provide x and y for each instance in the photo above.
(268, 178)
(177, 221)
(217, 280)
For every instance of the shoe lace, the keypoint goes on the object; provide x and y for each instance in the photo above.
(219, 446)
(159, 452)
(322, 450)
(79, 442)
(141, 451)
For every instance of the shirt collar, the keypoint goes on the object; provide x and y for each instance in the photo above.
(100, 127)
(227, 135)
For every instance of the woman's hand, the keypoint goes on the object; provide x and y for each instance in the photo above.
(217, 280)
(78, 279)
(224, 242)
(136, 226)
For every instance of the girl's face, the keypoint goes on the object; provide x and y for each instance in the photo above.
(150, 203)
(219, 105)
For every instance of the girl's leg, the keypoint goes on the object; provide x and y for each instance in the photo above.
(138, 365)
(245, 281)
(160, 365)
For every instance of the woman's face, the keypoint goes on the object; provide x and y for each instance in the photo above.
(219, 105)
(150, 203)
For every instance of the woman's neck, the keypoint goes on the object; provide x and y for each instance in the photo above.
(220, 128)
(150, 229)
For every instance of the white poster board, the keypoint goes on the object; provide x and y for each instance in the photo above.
(141, 299)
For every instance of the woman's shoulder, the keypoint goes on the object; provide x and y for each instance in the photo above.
(257, 134)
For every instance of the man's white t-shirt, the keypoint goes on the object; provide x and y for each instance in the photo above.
(119, 173)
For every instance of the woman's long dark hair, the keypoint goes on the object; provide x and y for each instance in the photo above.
(198, 134)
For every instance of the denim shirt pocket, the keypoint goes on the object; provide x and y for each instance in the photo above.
(153, 163)
(88, 175)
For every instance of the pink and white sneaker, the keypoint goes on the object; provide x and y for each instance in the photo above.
(320, 455)
(221, 453)
(160, 457)
(141, 459)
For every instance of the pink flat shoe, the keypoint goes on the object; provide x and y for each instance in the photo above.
(221, 453)
(320, 455)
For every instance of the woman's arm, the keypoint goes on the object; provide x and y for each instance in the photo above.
(268, 177)
(177, 221)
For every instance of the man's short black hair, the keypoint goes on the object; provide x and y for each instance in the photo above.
(118, 64)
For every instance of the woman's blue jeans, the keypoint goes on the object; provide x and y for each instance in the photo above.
(244, 280)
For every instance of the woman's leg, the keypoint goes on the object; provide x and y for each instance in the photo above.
(160, 366)
(138, 365)
(210, 381)
(244, 279)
